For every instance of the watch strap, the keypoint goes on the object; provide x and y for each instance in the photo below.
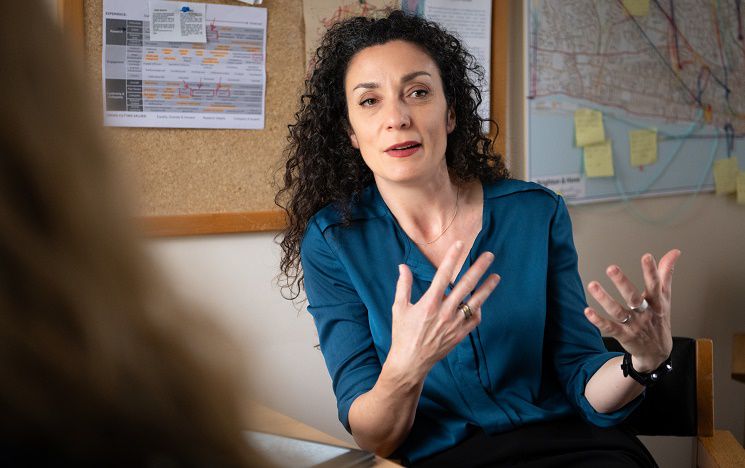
(646, 378)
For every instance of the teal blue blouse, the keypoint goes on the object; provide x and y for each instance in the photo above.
(527, 361)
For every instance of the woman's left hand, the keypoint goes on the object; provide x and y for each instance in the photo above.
(643, 332)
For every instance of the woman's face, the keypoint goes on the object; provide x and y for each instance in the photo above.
(397, 111)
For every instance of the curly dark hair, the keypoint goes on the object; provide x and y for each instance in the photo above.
(322, 167)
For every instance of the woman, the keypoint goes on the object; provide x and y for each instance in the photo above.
(402, 221)
(101, 365)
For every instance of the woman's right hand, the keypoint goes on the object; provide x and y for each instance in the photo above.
(425, 332)
(422, 334)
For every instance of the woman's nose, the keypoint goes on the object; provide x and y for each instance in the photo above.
(397, 115)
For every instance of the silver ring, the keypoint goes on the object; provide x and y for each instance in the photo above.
(641, 307)
(466, 309)
(626, 320)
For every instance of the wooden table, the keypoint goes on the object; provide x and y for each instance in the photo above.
(265, 419)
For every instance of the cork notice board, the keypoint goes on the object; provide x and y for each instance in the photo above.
(202, 181)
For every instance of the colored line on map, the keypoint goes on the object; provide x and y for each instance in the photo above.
(702, 80)
(697, 96)
(702, 136)
(675, 33)
(725, 66)
(729, 133)
(628, 196)
(665, 136)
(674, 25)
(671, 19)
(662, 57)
(680, 209)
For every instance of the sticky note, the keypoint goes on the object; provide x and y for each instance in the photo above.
(725, 175)
(741, 188)
(643, 147)
(637, 7)
(599, 160)
(588, 127)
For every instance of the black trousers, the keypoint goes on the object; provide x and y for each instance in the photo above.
(563, 443)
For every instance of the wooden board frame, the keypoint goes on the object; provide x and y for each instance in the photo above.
(71, 15)
(705, 386)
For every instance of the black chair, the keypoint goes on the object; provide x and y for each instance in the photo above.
(682, 404)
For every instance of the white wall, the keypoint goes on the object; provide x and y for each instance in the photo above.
(233, 277)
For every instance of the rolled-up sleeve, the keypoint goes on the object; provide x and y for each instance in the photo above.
(341, 320)
(576, 345)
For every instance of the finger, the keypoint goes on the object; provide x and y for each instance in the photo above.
(625, 287)
(476, 301)
(667, 265)
(467, 324)
(482, 294)
(470, 279)
(445, 271)
(403, 286)
(651, 275)
(606, 327)
(613, 308)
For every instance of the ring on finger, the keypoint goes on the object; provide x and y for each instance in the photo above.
(641, 307)
(626, 320)
(466, 309)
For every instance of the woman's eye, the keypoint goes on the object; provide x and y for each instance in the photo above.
(419, 93)
(368, 102)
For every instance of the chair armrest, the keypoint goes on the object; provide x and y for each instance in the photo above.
(721, 450)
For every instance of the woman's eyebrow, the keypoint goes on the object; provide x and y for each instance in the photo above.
(406, 78)
(412, 75)
(368, 85)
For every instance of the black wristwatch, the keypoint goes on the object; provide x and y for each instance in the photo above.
(646, 378)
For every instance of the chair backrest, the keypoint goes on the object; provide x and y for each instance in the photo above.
(681, 404)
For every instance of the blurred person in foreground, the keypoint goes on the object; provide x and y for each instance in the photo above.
(101, 365)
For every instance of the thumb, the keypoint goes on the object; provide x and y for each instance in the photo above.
(403, 286)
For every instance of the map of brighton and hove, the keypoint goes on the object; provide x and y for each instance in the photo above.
(678, 68)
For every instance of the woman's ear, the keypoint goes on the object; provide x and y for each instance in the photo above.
(451, 120)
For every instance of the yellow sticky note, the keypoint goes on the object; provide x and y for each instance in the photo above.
(588, 127)
(643, 147)
(599, 160)
(637, 7)
(741, 188)
(725, 175)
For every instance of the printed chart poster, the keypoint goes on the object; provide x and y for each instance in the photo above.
(217, 84)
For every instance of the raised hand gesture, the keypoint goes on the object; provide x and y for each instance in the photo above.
(642, 324)
(425, 332)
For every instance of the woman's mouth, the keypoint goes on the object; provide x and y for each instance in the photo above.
(402, 150)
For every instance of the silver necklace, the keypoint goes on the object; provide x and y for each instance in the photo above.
(450, 223)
